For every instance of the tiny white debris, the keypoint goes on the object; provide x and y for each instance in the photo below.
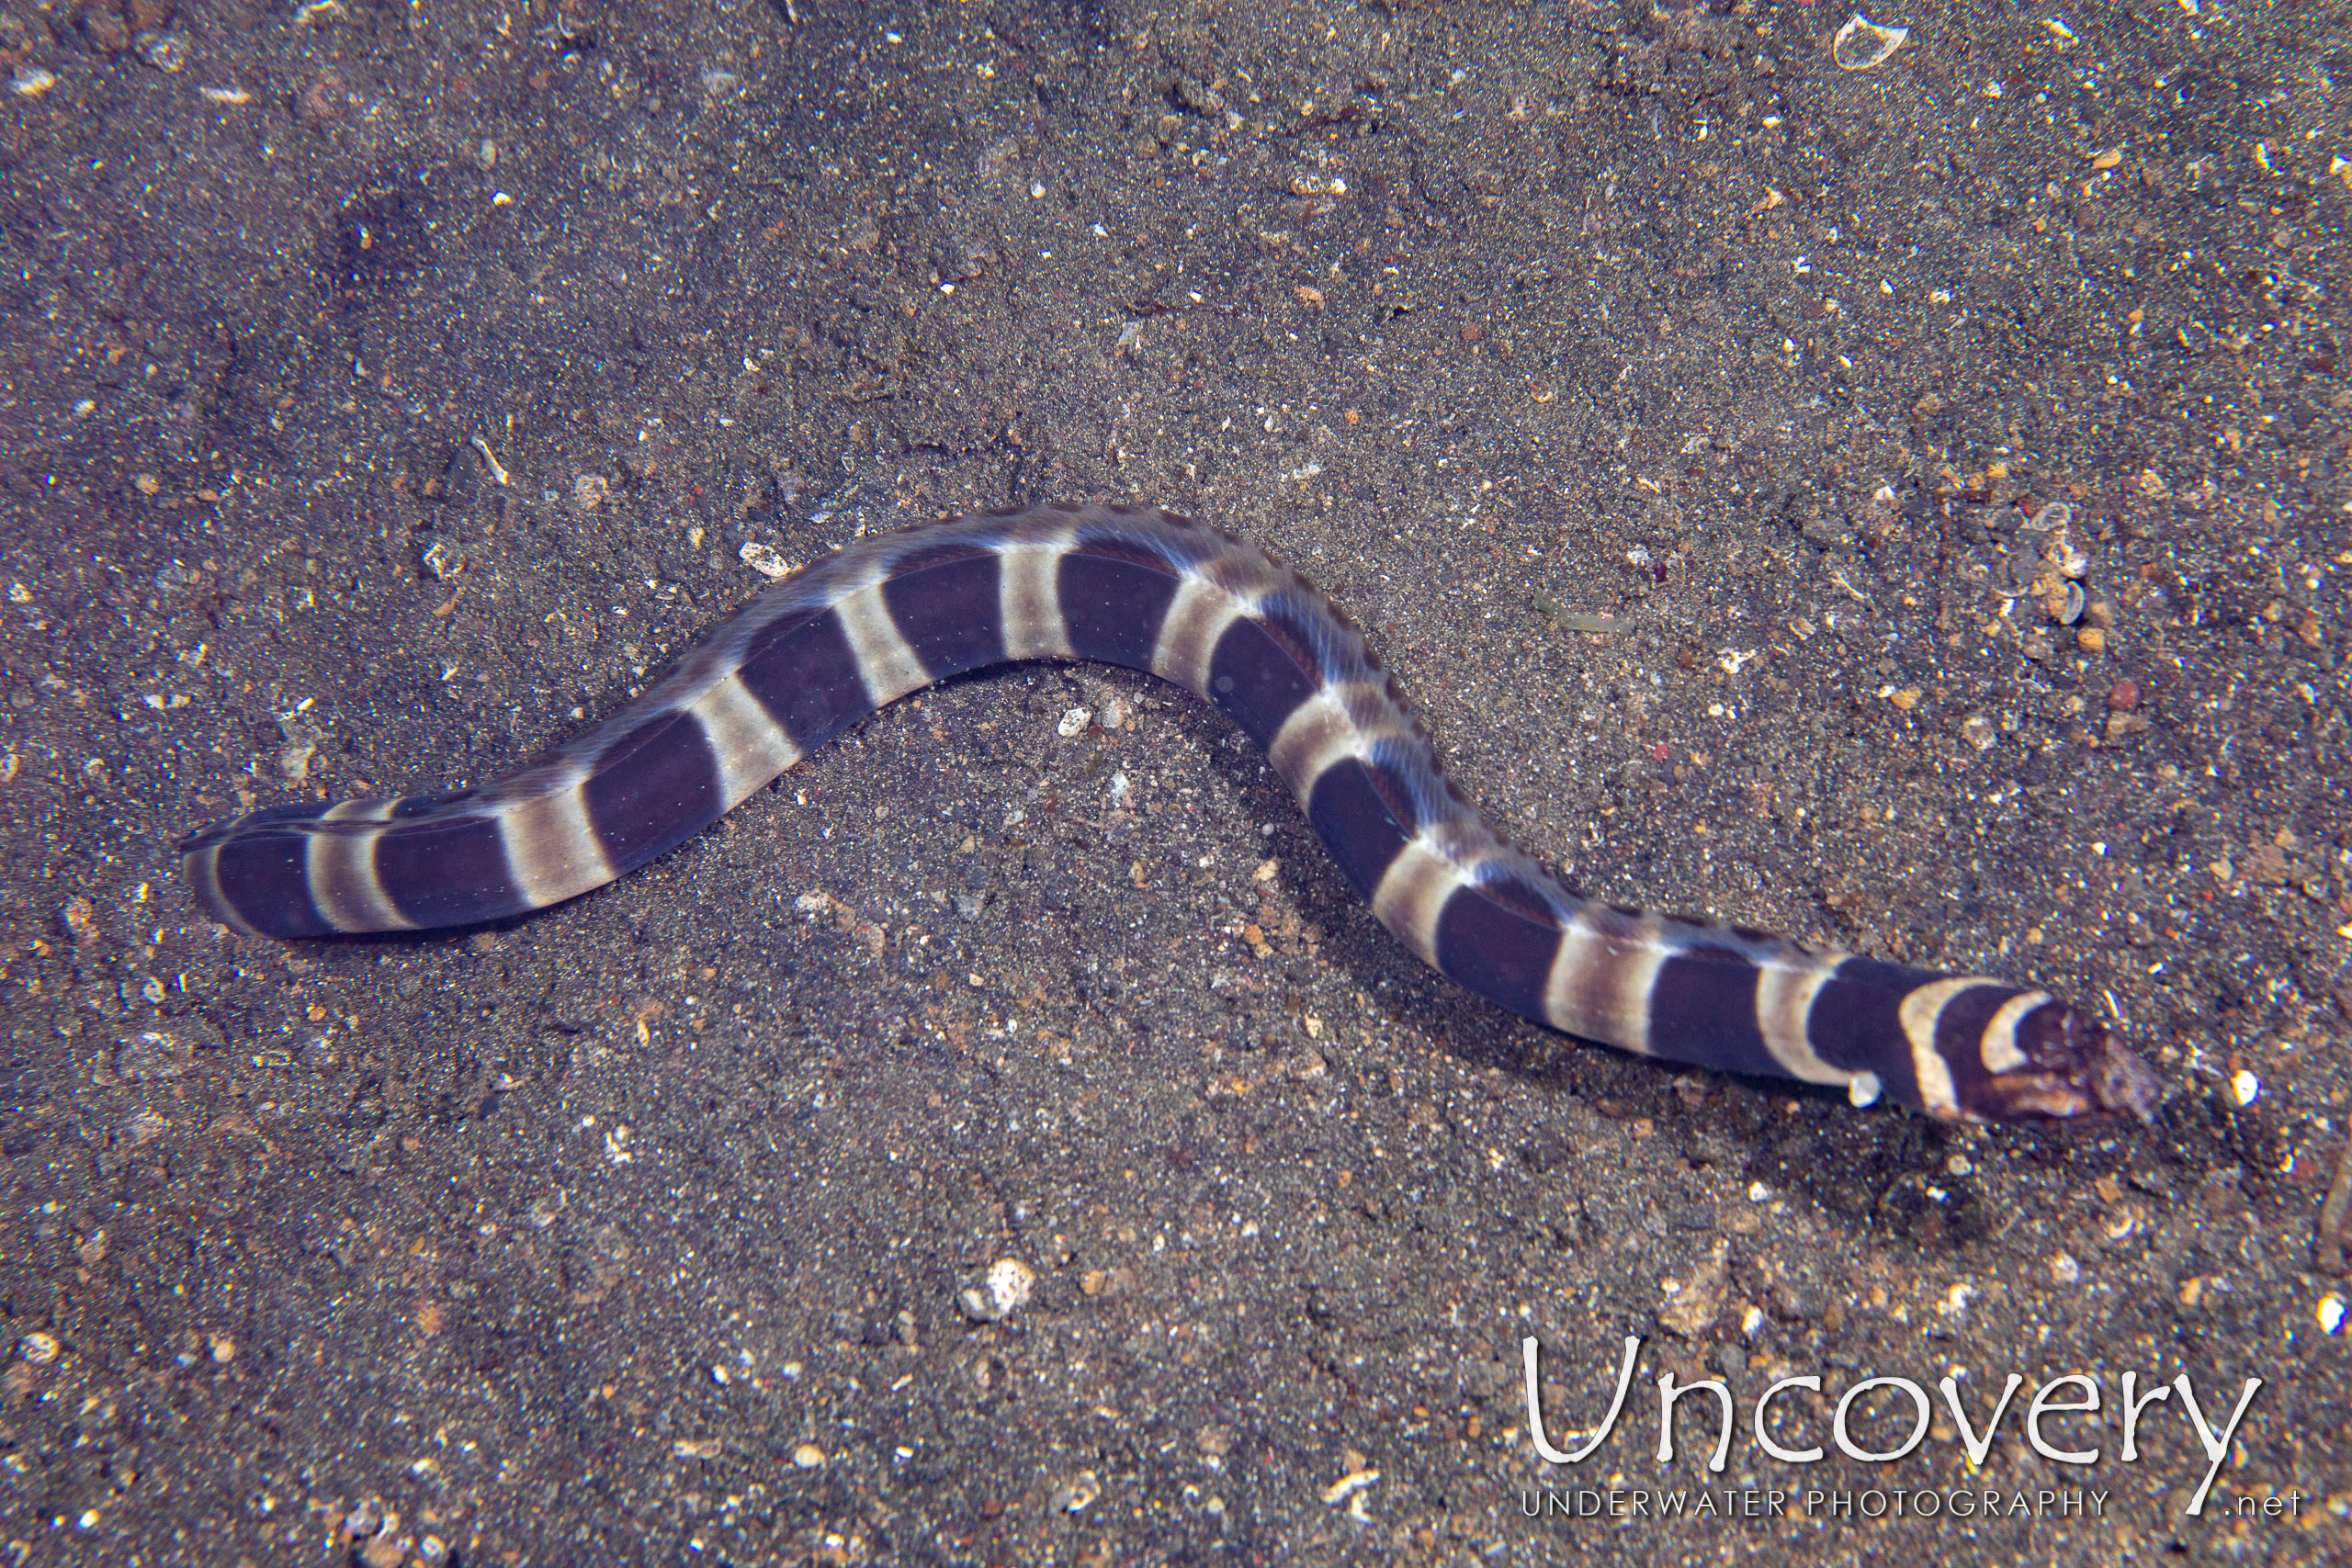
(2245, 1086)
(2330, 1313)
(808, 1456)
(1759, 1194)
(233, 97)
(1004, 1290)
(1750, 1320)
(1123, 793)
(1113, 714)
(1347, 1485)
(1862, 44)
(764, 559)
(1862, 1089)
(497, 469)
(1074, 720)
(616, 1147)
(31, 81)
(40, 1349)
(1075, 1493)
(1734, 660)
(1956, 1300)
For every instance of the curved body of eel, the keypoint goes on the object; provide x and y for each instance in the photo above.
(1151, 591)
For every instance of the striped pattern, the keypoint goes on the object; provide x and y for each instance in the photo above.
(1152, 591)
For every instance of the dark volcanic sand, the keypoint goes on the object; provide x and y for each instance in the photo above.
(637, 1230)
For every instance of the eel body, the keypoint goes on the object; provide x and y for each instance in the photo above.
(1151, 591)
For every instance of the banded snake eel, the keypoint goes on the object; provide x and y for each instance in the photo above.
(1147, 590)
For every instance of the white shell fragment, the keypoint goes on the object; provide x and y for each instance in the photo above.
(764, 559)
(1075, 1492)
(1004, 1290)
(1862, 45)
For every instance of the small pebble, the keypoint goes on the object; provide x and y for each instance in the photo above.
(764, 559)
(2123, 696)
(2064, 1269)
(1075, 1493)
(808, 1456)
(2091, 639)
(1074, 721)
(166, 52)
(1004, 1290)
(40, 1349)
